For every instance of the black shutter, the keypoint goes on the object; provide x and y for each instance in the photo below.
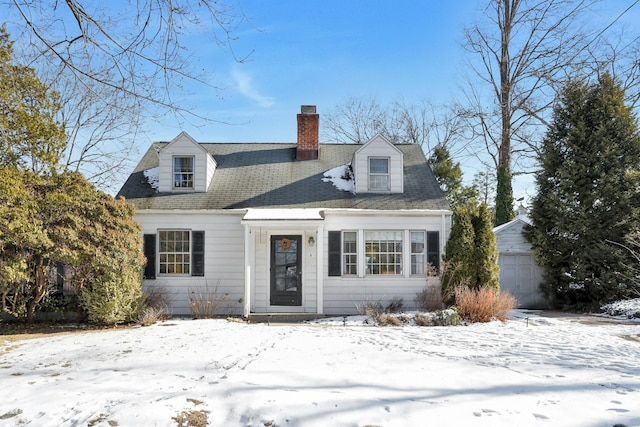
(60, 275)
(433, 249)
(150, 253)
(197, 253)
(335, 245)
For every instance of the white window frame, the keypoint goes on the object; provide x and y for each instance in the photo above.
(349, 258)
(418, 268)
(183, 177)
(387, 262)
(375, 178)
(172, 256)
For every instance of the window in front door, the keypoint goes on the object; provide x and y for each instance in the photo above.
(286, 274)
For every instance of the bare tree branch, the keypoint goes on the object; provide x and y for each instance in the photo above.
(115, 62)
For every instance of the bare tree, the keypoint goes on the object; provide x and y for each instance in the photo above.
(484, 182)
(112, 63)
(358, 120)
(618, 56)
(102, 130)
(355, 121)
(523, 49)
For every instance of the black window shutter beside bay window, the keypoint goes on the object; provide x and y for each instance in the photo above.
(197, 253)
(433, 249)
(335, 243)
(150, 254)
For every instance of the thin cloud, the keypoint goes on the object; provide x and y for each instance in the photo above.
(245, 86)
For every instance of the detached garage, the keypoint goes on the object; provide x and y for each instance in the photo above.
(519, 273)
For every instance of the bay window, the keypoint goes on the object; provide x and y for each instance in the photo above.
(383, 252)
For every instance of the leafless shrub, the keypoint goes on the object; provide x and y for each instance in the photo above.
(453, 277)
(388, 319)
(157, 303)
(150, 316)
(208, 302)
(429, 299)
(192, 418)
(483, 305)
(395, 305)
(370, 308)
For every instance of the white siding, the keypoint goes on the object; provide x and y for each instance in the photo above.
(519, 273)
(204, 164)
(521, 277)
(510, 238)
(343, 295)
(262, 283)
(225, 269)
(224, 259)
(378, 147)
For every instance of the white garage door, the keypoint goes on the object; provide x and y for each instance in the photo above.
(521, 276)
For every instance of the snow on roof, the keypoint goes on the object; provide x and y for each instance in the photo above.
(153, 177)
(341, 177)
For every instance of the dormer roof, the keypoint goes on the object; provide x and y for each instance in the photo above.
(259, 175)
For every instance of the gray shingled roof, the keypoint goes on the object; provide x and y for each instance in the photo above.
(258, 175)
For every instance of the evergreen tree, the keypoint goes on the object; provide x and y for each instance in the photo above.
(458, 256)
(48, 216)
(63, 218)
(449, 176)
(587, 202)
(471, 255)
(504, 197)
(30, 136)
(447, 173)
(485, 258)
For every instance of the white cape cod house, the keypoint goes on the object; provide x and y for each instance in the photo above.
(288, 228)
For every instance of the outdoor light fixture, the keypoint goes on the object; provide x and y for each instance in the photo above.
(312, 241)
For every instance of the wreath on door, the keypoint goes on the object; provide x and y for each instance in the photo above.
(285, 244)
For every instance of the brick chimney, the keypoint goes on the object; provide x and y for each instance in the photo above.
(308, 125)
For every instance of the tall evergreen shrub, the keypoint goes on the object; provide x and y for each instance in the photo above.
(587, 203)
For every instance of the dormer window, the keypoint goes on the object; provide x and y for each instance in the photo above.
(183, 172)
(379, 174)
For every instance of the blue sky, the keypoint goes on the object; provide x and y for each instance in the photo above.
(325, 52)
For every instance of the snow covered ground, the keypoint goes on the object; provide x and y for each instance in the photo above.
(528, 371)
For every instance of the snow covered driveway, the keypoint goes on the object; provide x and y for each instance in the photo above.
(544, 371)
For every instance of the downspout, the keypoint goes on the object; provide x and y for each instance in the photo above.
(247, 271)
(444, 239)
(319, 270)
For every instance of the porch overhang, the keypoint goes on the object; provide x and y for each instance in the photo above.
(302, 220)
(288, 217)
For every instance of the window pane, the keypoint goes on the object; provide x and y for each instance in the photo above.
(379, 174)
(183, 172)
(349, 253)
(418, 253)
(174, 251)
(379, 165)
(383, 252)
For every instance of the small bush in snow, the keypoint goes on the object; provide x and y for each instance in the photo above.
(208, 302)
(484, 304)
(150, 316)
(429, 299)
(388, 319)
(626, 308)
(395, 306)
(370, 308)
(156, 306)
(448, 317)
